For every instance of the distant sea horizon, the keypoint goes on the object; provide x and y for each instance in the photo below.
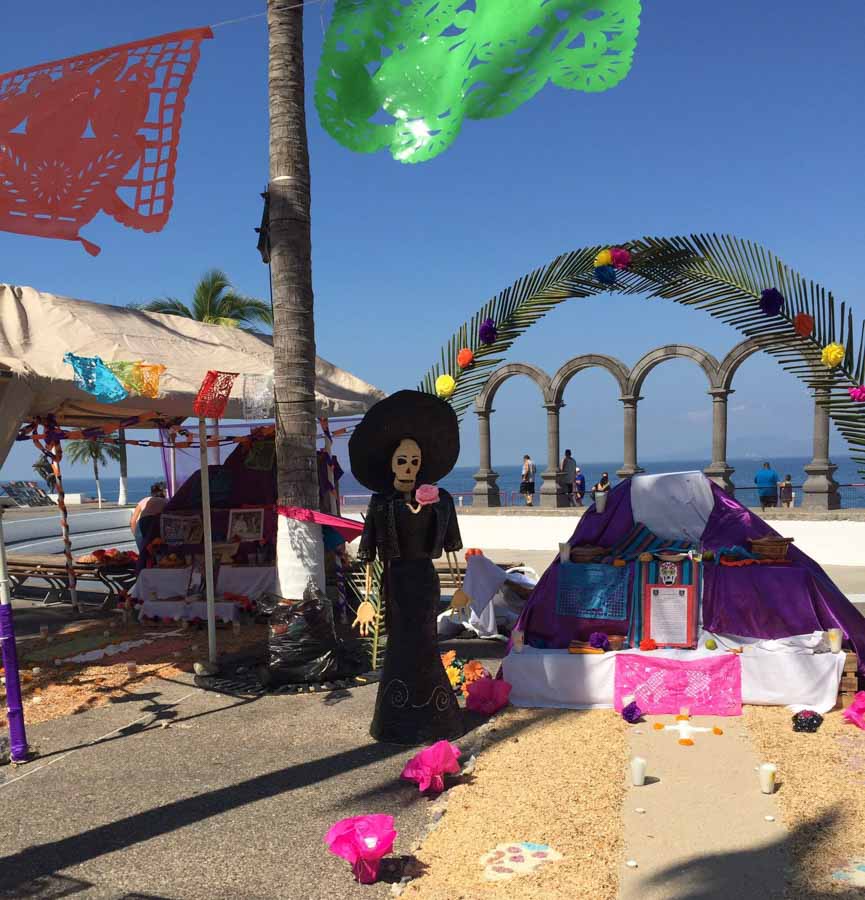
(461, 482)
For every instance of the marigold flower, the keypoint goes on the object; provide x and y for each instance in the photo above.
(833, 355)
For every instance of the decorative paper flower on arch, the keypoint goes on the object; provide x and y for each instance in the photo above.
(465, 358)
(604, 258)
(362, 841)
(771, 301)
(428, 768)
(488, 332)
(833, 355)
(804, 325)
(857, 393)
(621, 258)
(445, 386)
(606, 275)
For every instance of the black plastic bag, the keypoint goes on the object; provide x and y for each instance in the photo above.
(807, 720)
(302, 643)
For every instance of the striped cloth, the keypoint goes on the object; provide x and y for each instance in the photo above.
(641, 540)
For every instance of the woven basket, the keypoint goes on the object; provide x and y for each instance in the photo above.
(771, 547)
(587, 554)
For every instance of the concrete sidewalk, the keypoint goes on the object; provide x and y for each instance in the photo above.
(231, 800)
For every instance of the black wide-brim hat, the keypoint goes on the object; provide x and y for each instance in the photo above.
(424, 418)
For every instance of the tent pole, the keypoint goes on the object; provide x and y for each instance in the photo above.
(172, 465)
(208, 541)
(64, 527)
(14, 709)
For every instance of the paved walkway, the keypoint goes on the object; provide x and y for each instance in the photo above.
(703, 833)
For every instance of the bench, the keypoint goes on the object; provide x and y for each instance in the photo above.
(52, 570)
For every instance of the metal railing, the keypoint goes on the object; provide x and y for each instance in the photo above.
(852, 495)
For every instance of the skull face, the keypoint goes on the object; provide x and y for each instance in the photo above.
(668, 572)
(405, 464)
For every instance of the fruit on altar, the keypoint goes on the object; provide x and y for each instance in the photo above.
(711, 644)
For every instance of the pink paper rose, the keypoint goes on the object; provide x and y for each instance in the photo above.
(488, 695)
(362, 841)
(621, 258)
(857, 393)
(855, 713)
(427, 494)
(428, 767)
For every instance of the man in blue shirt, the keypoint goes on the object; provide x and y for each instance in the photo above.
(579, 487)
(767, 486)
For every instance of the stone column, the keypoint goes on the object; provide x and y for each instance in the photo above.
(486, 490)
(820, 490)
(552, 493)
(630, 467)
(718, 470)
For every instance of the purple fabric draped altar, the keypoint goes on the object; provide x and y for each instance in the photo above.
(751, 601)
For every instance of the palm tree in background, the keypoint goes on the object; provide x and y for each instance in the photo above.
(43, 469)
(215, 302)
(95, 452)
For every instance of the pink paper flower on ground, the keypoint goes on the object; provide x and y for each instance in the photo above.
(857, 393)
(428, 767)
(488, 695)
(621, 258)
(855, 713)
(362, 841)
(427, 494)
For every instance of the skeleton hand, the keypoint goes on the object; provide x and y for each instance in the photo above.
(365, 617)
(460, 599)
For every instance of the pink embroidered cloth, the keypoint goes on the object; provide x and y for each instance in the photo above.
(708, 687)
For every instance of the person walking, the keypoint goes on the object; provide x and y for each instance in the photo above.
(579, 487)
(569, 476)
(785, 491)
(767, 486)
(527, 480)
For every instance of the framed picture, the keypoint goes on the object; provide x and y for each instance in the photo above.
(670, 614)
(197, 585)
(245, 525)
(175, 529)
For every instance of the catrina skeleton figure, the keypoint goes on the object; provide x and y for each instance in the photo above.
(403, 445)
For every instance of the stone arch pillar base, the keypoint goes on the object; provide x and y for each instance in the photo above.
(721, 476)
(820, 490)
(486, 492)
(628, 471)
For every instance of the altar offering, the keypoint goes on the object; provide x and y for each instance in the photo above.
(638, 771)
(768, 774)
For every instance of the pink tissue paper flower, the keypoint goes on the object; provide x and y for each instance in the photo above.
(427, 494)
(857, 393)
(855, 713)
(428, 767)
(362, 841)
(621, 258)
(488, 695)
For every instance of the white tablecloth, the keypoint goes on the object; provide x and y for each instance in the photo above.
(562, 680)
(251, 581)
(189, 610)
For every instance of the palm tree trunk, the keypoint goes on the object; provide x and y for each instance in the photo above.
(121, 438)
(300, 555)
(98, 485)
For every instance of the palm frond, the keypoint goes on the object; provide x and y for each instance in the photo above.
(170, 306)
(719, 274)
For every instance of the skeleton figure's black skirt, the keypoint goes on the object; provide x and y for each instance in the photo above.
(416, 703)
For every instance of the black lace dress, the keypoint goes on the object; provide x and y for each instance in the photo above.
(415, 703)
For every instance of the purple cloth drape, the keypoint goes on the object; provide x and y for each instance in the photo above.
(815, 603)
(539, 620)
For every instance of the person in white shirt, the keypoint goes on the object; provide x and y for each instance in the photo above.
(527, 480)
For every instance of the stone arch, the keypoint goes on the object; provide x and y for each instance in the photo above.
(654, 358)
(485, 399)
(733, 360)
(567, 370)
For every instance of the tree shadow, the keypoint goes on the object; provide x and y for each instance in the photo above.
(723, 874)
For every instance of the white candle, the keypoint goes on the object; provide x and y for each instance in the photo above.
(131, 668)
(768, 771)
(638, 771)
(836, 638)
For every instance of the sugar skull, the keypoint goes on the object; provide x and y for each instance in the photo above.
(405, 464)
(668, 572)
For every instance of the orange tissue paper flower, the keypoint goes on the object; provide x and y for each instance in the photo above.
(648, 644)
(465, 358)
(448, 658)
(717, 730)
(658, 726)
(686, 742)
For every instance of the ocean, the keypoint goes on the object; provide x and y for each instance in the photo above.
(461, 482)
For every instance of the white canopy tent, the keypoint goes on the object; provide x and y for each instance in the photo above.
(37, 329)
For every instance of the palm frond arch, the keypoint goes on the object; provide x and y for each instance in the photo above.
(722, 275)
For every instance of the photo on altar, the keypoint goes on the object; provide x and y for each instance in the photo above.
(246, 524)
(177, 529)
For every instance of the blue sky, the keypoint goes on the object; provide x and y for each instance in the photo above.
(736, 117)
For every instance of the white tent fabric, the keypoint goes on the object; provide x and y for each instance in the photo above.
(673, 505)
(37, 329)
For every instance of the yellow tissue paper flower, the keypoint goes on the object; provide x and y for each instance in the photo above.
(445, 386)
(833, 355)
(604, 258)
(454, 675)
